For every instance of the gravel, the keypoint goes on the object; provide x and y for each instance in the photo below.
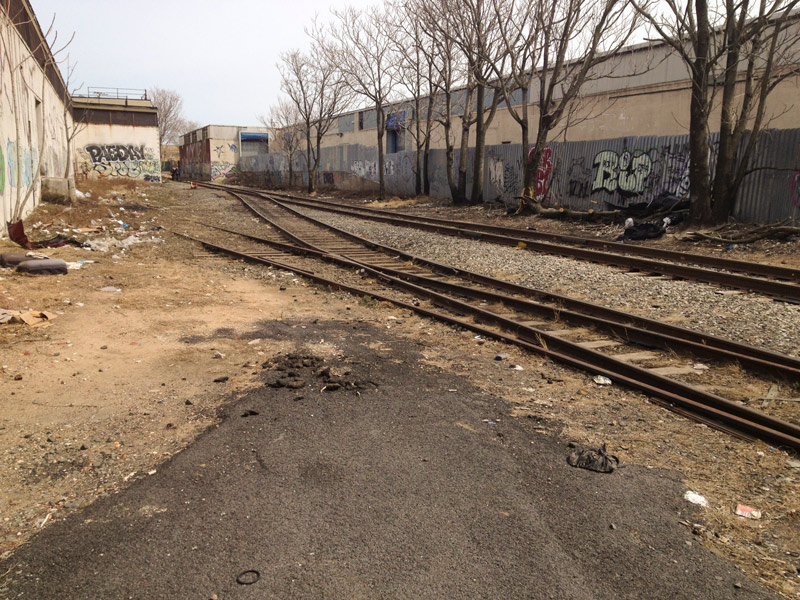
(745, 317)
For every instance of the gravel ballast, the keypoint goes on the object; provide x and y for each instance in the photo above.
(747, 318)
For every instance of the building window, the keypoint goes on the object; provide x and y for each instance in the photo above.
(360, 120)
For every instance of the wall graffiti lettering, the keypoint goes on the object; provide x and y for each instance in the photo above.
(364, 168)
(223, 171)
(219, 150)
(120, 160)
(328, 178)
(232, 147)
(544, 171)
(624, 173)
(496, 171)
(115, 152)
(795, 194)
(580, 178)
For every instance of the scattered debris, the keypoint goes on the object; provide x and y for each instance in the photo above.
(747, 512)
(34, 318)
(593, 459)
(43, 266)
(695, 498)
(247, 577)
(501, 356)
(601, 380)
(16, 232)
(249, 413)
(222, 379)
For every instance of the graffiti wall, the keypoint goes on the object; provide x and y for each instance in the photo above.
(119, 160)
(120, 151)
(598, 175)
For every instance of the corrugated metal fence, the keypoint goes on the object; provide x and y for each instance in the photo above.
(599, 174)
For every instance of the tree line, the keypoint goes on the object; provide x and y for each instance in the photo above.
(453, 63)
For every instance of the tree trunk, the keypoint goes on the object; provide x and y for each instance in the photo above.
(308, 161)
(460, 197)
(418, 143)
(381, 118)
(723, 192)
(426, 177)
(476, 196)
(699, 179)
(527, 172)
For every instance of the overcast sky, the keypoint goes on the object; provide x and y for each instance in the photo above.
(220, 56)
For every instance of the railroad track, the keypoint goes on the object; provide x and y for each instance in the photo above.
(782, 283)
(634, 351)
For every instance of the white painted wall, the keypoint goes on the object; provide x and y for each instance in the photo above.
(33, 142)
(118, 151)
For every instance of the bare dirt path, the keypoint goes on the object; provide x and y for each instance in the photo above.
(123, 378)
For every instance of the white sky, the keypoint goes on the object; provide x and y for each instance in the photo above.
(220, 56)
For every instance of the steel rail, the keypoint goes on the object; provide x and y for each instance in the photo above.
(623, 324)
(778, 289)
(727, 264)
(533, 334)
(713, 410)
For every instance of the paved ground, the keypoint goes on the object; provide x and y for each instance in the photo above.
(390, 486)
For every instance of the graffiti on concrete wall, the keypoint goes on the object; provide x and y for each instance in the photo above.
(119, 160)
(28, 157)
(795, 193)
(544, 172)
(579, 178)
(223, 171)
(368, 169)
(624, 173)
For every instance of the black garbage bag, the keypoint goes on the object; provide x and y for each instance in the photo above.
(642, 231)
(594, 460)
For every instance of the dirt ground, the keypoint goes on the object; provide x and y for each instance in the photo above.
(153, 335)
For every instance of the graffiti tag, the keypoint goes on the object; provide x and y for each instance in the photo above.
(625, 173)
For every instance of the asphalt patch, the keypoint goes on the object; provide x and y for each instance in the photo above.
(402, 489)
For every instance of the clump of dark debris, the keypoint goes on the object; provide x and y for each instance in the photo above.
(297, 371)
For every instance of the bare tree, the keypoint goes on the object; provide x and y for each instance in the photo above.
(315, 86)
(418, 76)
(287, 130)
(520, 35)
(575, 37)
(454, 91)
(364, 53)
(474, 30)
(744, 48)
(169, 104)
(71, 127)
(184, 126)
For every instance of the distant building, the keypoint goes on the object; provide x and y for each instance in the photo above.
(213, 152)
(117, 135)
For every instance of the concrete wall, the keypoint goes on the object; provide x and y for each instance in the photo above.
(118, 151)
(213, 152)
(649, 94)
(32, 127)
(224, 154)
(594, 174)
